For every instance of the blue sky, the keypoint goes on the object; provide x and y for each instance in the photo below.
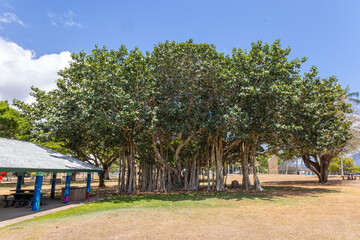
(327, 32)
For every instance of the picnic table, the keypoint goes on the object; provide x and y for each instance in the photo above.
(5, 196)
(23, 191)
(23, 199)
(350, 176)
(20, 199)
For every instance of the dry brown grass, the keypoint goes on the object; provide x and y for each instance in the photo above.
(296, 208)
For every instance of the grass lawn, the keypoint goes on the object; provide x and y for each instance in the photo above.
(292, 210)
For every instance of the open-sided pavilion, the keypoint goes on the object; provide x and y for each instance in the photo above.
(19, 156)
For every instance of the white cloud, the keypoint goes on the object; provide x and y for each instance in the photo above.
(65, 20)
(9, 17)
(71, 23)
(9, 6)
(19, 70)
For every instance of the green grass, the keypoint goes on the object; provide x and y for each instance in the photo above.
(279, 195)
(172, 200)
(273, 195)
(9, 185)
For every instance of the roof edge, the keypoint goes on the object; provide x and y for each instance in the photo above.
(48, 170)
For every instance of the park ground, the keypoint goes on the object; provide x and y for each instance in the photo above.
(292, 207)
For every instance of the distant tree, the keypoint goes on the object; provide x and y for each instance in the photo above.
(352, 97)
(320, 128)
(286, 157)
(262, 162)
(12, 125)
(348, 164)
(40, 132)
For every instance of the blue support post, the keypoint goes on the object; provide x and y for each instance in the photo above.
(37, 192)
(53, 183)
(67, 187)
(19, 181)
(88, 182)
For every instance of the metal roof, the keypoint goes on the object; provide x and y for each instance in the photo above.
(20, 156)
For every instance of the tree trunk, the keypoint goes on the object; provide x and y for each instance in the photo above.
(193, 175)
(181, 145)
(324, 174)
(325, 161)
(320, 165)
(208, 178)
(150, 178)
(101, 179)
(225, 174)
(197, 176)
(157, 179)
(342, 167)
(213, 164)
(123, 172)
(23, 178)
(163, 183)
(107, 173)
(139, 177)
(246, 183)
(73, 177)
(169, 187)
(192, 168)
(219, 165)
(119, 176)
(312, 166)
(131, 186)
(253, 163)
(208, 168)
(144, 177)
(159, 155)
(186, 176)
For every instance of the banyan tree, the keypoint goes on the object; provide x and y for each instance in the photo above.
(176, 116)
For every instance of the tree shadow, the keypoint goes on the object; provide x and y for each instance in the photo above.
(14, 213)
(284, 191)
(270, 193)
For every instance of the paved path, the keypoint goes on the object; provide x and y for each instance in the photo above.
(13, 215)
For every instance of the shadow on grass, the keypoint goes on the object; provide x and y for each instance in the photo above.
(272, 194)
(269, 194)
(297, 191)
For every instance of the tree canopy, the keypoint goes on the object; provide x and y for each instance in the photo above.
(12, 124)
(185, 109)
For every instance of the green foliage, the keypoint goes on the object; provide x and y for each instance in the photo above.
(351, 97)
(40, 128)
(348, 165)
(287, 156)
(12, 125)
(55, 145)
(165, 109)
(321, 114)
(262, 160)
(262, 79)
(187, 80)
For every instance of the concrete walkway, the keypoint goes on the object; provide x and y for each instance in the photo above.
(13, 215)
